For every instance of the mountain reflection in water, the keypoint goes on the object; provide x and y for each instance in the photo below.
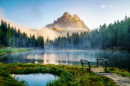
(68, 57)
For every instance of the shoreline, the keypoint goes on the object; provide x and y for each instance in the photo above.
(69, 75)
(13, 50)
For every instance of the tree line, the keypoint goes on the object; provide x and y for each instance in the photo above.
(113, 36)
(10, 37)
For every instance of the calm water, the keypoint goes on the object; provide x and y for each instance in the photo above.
(37, 79)
(68, 57)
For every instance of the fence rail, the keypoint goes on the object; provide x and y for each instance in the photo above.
(85, 62)
(105, 62)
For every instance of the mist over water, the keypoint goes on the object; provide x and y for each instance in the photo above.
(68, 57)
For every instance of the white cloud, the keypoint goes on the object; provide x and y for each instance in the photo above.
(128, 12)
(103, 6)
(106, 6)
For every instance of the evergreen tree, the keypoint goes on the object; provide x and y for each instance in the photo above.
(13, 42)
(7, 39)
(1, 36)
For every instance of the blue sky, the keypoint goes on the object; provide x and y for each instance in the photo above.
(38, 13)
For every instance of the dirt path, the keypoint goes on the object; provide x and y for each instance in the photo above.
(120, 80)
(98, 70)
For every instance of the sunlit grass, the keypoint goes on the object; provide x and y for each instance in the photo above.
(70, 75)
(14, 50)
(123, 72)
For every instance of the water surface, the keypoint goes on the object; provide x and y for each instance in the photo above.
(68, 57)
(37, 79)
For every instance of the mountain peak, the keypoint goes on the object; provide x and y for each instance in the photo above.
(68, 21)
(75, 15)
(66, 14)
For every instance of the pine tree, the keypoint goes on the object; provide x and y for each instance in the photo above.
(7, 38)
(13, 42)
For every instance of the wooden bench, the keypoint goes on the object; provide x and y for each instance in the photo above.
(85, 62)
(88, 63)
(104, 62)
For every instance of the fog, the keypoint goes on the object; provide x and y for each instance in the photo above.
(69, 57)
(45, 32)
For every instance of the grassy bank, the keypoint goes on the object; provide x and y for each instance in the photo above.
(123, 72)
(69, 75)
(13, 50)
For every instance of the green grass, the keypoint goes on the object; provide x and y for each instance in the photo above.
(13, 50)
(123, 72)
(69, 75)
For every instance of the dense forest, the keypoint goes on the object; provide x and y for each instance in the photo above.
(113, 36)
(10, 37)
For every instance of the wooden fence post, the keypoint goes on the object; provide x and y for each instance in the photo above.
(89, 66)
(97, 62)
(81, 63)
(105, 65)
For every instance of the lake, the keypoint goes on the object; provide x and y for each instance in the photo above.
(37, 79)
(68, 57)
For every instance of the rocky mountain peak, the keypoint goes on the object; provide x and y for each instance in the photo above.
(66, 14)
(76, 17)
(68, 21)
